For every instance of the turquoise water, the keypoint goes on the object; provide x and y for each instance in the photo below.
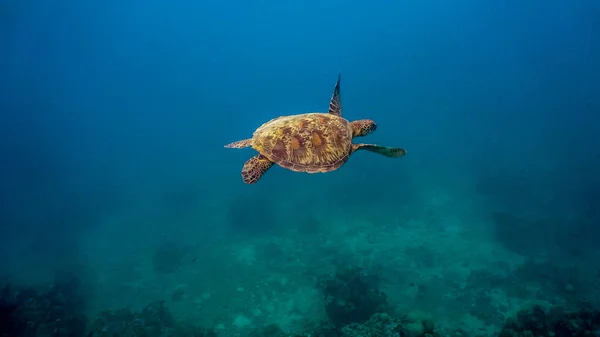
(115, 114)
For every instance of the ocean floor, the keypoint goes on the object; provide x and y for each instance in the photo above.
(438, 258)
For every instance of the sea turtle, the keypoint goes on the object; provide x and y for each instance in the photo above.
(309, 142)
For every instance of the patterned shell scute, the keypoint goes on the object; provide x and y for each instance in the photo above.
(313, 142)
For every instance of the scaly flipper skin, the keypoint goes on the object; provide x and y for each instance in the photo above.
(255, 167)
(240, 144)
(335, 104)
(391, 152)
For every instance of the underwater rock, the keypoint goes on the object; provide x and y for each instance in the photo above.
(31, 312)
(57, 311)
(155, 320)
(537, 322)
(382, 325)
(10, 324)
(319, 329)
(270, 330)
(349, 299)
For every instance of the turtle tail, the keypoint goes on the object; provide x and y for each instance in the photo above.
(240, 144)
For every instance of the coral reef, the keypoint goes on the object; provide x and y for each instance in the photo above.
(58, 311)
(382, 325)
(154, 320)
(270, 330)
(29, 312)
(355, 308)
(350, 299)
(537, 322)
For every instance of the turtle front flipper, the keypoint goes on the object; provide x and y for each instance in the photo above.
(240, 144)
(335, 105)
(391, 152)
(255, 167)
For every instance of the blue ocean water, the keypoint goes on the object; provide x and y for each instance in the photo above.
(114, 177)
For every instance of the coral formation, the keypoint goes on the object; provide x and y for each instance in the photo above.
(29, 312)
(270, 330)
(382, 325)
(350, 299)
(57, 312)
(154, 320)
(537, 322)
(355, 308)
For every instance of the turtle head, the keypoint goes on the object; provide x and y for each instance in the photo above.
(363, 127)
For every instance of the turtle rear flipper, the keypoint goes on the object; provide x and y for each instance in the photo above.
(391, 152)
(255, 167)
(240, 144)
(335, 104)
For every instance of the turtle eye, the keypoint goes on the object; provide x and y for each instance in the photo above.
(370, 127)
